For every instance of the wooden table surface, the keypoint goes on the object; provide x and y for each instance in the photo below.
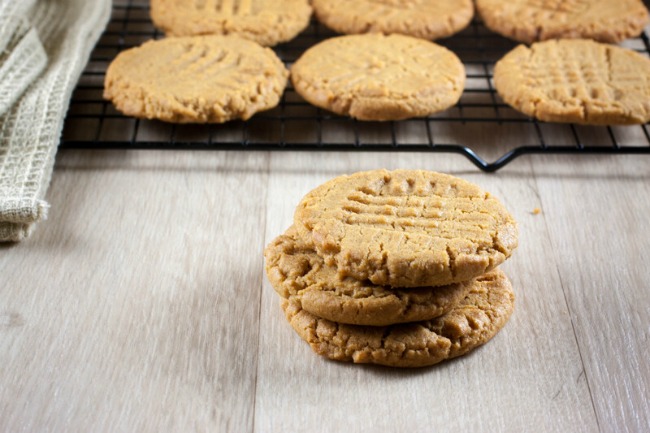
(141, 305)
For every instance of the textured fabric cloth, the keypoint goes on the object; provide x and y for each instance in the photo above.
(44, 45)
(23, 56)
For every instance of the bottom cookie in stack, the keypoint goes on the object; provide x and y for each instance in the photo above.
(350, 320)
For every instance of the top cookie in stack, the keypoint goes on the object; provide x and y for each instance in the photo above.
(395, 267)
(406, 228)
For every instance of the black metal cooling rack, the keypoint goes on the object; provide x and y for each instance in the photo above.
(480, 126)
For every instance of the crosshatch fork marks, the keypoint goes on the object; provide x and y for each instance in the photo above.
(226, 7)
(418, 211)
(207, 61)
(208, 79)
(416, 219)
(576, 81)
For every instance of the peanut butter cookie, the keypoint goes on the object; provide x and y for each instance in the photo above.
(473, 322)
(201, 79)
(406, 228)
(537, 20)
(578, 81)
(377, 77)
(267, 22)
(299, 274)
(427, 19)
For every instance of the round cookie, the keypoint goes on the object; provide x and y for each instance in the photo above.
(377, 77)
(406, 228)
(427, 19)
(473, 322)
(297, 273)
(578, 81)
(201, 79)
(529, 21)
(267, 22)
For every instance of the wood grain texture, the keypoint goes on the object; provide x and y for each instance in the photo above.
(599, 213)
(136, 307)
(141, 305)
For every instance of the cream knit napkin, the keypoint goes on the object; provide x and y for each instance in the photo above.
(44, 46)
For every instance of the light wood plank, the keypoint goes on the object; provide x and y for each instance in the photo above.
(528, 379)
(599, 230)
(135, 307)
(140, 306)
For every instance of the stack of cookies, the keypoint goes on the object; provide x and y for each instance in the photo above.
(397, 268)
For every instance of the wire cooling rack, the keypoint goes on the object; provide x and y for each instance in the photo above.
(480, 126)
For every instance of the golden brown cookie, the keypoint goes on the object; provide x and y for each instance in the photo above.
(297, 273)
(537, 20)
(578, 81)
(377, 77)
(406, 228)
(427, 19)
(201, 79)
(473, 322)
(267, 22)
